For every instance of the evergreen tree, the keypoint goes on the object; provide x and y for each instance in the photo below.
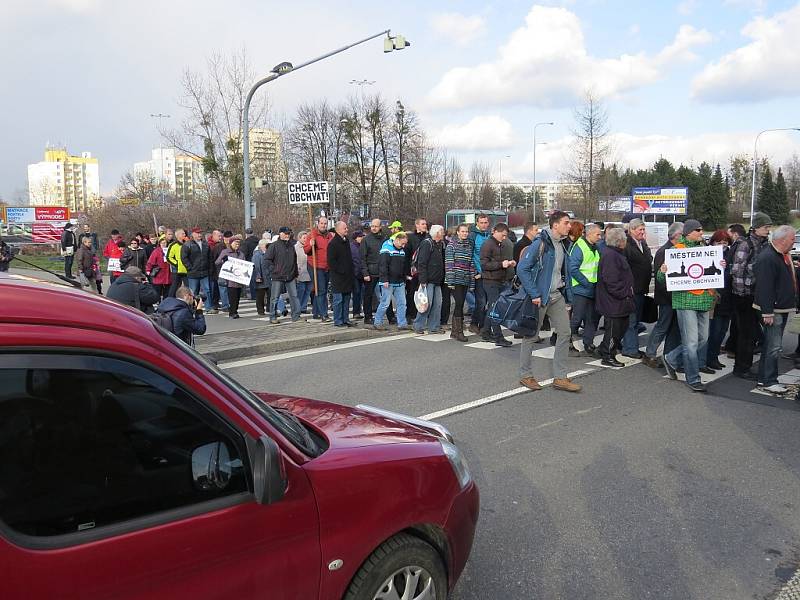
(703, 196)
(781, 199)
(766, 193)
(664, 174)
(716, 201)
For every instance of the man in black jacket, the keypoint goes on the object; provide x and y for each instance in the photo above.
(666, 328)
(531, 231)
(370, 258)
(281, 258)
(196, 257)
(69, 244)
(496, 262)
(132, 289)
(87, 232)
(185, 313)
(430, 272)
(775, 299)
(641, 263)
(340, 266)
(415, 240)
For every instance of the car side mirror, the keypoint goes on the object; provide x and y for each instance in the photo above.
(269, 477)
(211, 467)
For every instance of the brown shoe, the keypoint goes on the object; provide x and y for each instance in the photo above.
(530, 383)
(566, 385)
(474, 328)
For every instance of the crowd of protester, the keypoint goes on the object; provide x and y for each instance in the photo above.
(576, 274)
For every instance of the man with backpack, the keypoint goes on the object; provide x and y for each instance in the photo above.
(743, 283)
(543, 270)
(181, 315)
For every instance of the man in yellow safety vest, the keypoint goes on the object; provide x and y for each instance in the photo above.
(584, 260)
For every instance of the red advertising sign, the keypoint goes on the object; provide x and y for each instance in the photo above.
(46, 233)
(52, 213)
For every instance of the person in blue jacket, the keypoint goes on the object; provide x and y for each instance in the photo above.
(584, 261)
(479, 233)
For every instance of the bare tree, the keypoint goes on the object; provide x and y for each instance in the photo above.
(590, 148)
(142, 185)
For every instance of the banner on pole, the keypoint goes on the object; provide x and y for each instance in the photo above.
(309, 192)
(698, 268)
(237, 270)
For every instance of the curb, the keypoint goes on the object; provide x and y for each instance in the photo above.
(300, 343)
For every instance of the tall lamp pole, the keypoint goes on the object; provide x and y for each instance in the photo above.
(342, 123)
(160, 117)
(534, 164)
(755, 150)
(390, 43)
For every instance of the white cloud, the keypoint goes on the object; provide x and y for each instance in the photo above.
(545, 63)
(766, 68)
(687, 7)
(488, 132)
(461, 29)
(754, 5)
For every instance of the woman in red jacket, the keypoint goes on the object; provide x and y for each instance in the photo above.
(158, 269)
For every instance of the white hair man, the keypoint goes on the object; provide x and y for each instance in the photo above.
(430, 272)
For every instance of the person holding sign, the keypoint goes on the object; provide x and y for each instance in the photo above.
(316, 247)
(234, 287)
(692, 309)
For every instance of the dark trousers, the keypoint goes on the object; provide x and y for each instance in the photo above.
(369, 297)
(68, 264)
(479, 312)
(747, 331)
(716, 333)
(234, 293)
(358, 294)
(213, 286)
(262, 299)
(178, 279)
(411, 308)
(492, 289)
(161, 288)
(445, 304)
(612, 339)
(583, 311)
(459, 294)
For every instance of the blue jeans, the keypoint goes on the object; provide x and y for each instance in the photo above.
(479, 311)
(304, 294)
(469, 300)
(214, 285)
(691, 354)
(341, 308)
(276, 303)
(358, 292)
(223, 297)
(771, 351)
(433, 316)
(196, 283)
(665, 330)
(716, 333)
(630, 341)
(319, 301)
(398, 292)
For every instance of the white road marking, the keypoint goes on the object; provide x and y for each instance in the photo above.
(543, 425)
(434, 337)
(286, 355)
(494, 398)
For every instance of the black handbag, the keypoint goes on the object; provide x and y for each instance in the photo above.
(649, 310)
(154, 272)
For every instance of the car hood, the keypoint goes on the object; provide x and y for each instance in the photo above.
(346, 426)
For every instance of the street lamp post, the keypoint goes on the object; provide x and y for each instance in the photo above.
(501, 179)
(342, 123)
(755, 150)
(390, 43)
(534, 165)
(160, 117)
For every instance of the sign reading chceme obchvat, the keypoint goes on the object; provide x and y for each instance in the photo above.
(309, 192)
(697, 268)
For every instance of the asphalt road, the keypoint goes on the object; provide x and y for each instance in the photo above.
(635, 488)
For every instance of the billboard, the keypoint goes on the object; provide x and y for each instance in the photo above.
(615, 204)
(34, 224)
(660, 201)
(33, 214)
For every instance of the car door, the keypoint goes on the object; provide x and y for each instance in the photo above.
(117, 482)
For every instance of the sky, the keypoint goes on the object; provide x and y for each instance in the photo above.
(691, 81)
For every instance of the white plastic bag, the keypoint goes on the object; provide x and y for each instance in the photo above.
(421, 300)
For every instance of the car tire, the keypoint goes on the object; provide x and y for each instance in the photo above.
(398, 561)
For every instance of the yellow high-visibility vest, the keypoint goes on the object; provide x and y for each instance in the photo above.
(590, 264)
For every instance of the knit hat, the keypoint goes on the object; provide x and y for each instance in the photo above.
(761, 219)
(357, 234)
(236, 238)
(690, 226)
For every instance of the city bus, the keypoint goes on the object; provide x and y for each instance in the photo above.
(455, 217)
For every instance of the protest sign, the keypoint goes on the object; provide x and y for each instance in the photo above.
(113, 265)
(698, 268)
(308, 192)
(236, 270)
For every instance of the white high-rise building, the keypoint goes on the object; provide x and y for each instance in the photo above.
(64, 180)
(266, 157)
(181, 175)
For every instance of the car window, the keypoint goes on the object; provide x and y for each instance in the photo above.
(91, 442)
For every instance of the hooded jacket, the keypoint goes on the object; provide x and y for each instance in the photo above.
(478, 237)
(128, 290)
(393, 266)
(185, 322)
(536, 265)
(282, 260)
(430, 262)
(133, 258)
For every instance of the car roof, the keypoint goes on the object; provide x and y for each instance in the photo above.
(27, 300)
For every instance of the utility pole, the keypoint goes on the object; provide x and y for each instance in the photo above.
(534, 165)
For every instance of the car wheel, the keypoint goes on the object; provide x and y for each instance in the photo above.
(402, 568)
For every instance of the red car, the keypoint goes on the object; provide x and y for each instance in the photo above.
(131, 467)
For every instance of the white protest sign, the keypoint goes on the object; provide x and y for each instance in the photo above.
(698, 268)
(113, 265)
(237, 270)
(309, 192)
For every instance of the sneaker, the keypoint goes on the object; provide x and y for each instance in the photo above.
(573, 351)
(349, 324)
(213, 311)
(379, 327)
(274, 322)
(404, 328)
(502, 342)
(234, 316)
(326, 319)
(566, 385)
(651, 361)
(639, 355)
(612, 362)
(697, 387)
(673, 374)
(419, 331)
(716, 365)
(530, 383)
(707, 371)
(776, 389)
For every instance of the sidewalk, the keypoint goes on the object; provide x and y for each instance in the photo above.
(272, 339)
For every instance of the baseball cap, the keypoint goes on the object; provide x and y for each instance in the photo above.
(396, 225)
(196, 230)
(285, 229)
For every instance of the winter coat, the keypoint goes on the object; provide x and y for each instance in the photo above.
(157, 259)
(225, 255)
(355, 252)
(458, 265)
(492, 257)
(392, 266)
(319, 257)
(84, 258)
(575, 259)
(282, 260)
(215, 251)
(535, 273)
(92, 236)
(661, 295)
(262, 270)
(430, 262)
(641, 263)
(371, 253)
(776, 286)
(725, 306)
(615, 285)
(111, 246)
(249, 246)
(185, 321)
(5, 256)
(68, 240)
(115, 252)
(133, 258)
(302, 263)
(340, 264)
(744, 259)
(174, 258)
(523, 243)
(414, 243)
(128, 290)
(478, 237)
(196, 257)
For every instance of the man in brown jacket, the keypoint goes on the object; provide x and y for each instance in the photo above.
(495, 267)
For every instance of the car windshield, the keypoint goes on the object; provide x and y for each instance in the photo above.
(291, 428)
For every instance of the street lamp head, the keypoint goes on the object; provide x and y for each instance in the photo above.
(397, 42)
(282, 68)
